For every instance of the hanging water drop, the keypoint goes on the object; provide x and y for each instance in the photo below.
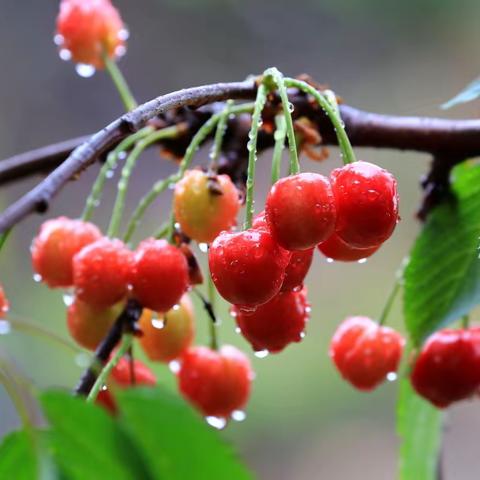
(5, 327)
(174, 366)
(37, 277)
(362, 261)
(203, 247)
(84, 70)
(65, 54)
(68, 298)
(216, 422)
(123, 34)
(239, 415)
(58, 39)
(261, 353)
(158, 323)
(330, 260)
(120, 51)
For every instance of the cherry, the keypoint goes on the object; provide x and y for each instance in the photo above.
(4, 304)
(365, 352)
(300, 211)
(205, 205)
(167, 335)
(300, 260)
(88, 325)
(159, 275)
(336, 249)
(56, 244)
(88, 28)
(447, 368)
(216, 382)
(121, 377)
(248, 268)
(275, 324)
(367, 204)
(101, 272)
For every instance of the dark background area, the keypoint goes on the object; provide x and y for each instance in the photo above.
(406, 57)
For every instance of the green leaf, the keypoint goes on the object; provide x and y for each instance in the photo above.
(17, 457)
(442, 277)
(419, 426)
(469, 93)
(177, 442)
(88, 443)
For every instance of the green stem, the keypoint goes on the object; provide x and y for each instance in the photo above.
(389, 303)
(130, 163)
(252, 153)
(286, 105)
(348, 156)
(279, 137)
(465, 321)
(219, 134)
(111, 162)
(162, 230)
(162, 185)
(120, 83)
(103, 376)
(213, 325)
(3, 237)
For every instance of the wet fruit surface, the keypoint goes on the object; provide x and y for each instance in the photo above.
(338, 250)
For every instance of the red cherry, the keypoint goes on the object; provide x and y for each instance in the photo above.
(88, 325)
(55, 246)
(216, 382)
(336, 249)
(205, 205)
(101, 272)
(87, 28)
(4, 304)
(248, 268)
(365, 352)
(447, 368)
(121, 377)
(300, 211)
(367, 204)
(297, 269)
(167, 335)
(275, 324)
(159, 275)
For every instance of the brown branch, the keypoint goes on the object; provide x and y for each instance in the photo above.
(448, 141)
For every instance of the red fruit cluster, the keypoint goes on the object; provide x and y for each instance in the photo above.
(89, 29)
(447, 369)
(365, 353)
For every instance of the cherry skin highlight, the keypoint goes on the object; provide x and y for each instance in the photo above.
(53, 249)
(167, 335)
(216, 382)
(447, 368)
(367, 204)
(336, 249)
(87, 28)
(365, 352)
(275, 324)
(88, 325)
(101, 272)
(300, 211)
(205, 205)
(159, 275)
(248, 268)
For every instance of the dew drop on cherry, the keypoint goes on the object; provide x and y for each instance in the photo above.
(218, 423)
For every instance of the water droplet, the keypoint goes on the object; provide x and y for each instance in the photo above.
(261, 353)
(122, 155)
(82, 360)
(120, 51)
(216, 422)
(177, 225)
(302, 335)
(176, 307)
(110, 173)
(391, 376)
(65, 54)
(237, 329)
(174, 366)
(37, 278)
(239, 415)
(291, 107)
(68, 298)
(158, 323)
(84, 70)
(123, 34)
(58, 39)
(203, 247)
(362, 261)
(330, 260)
(5, 327)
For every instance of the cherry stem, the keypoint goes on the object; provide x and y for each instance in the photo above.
(348, 156)
(252, 153)
(465, 321)
(120, 83)
(219, 134)
(110, 164)
(279, 137)
(122, 349)
(3, 237)
(287, 112)
(209, 308)
(140, 146)
(390, 299)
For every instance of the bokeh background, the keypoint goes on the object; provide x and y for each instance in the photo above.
(406, 57)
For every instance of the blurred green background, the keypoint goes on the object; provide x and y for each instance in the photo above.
(407, 57)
